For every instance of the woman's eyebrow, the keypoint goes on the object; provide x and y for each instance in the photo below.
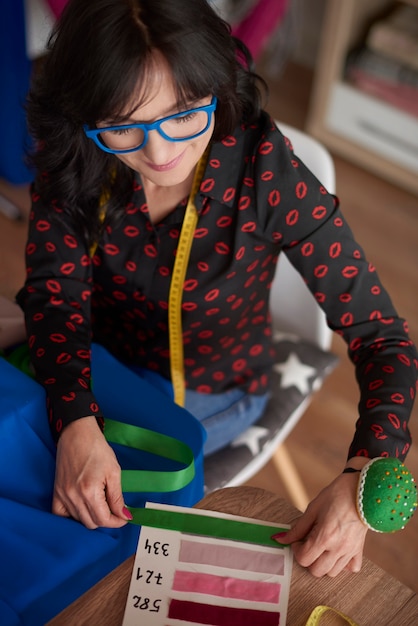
(173, 110)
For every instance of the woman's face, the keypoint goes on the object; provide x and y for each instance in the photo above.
(164, 163)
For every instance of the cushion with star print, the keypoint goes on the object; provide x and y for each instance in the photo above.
(299, 370)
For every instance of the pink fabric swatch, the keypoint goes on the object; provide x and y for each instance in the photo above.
(226, 586)
(223, 556)
(220, 615)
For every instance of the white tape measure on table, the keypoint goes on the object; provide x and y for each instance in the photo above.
(315, 616)
(175, 328)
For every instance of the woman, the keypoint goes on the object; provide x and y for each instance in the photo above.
(133, 95)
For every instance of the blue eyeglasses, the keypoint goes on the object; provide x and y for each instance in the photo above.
(131, 137)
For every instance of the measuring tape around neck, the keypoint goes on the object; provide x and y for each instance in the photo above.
(315, 616)
(175, 328)
(176, 286)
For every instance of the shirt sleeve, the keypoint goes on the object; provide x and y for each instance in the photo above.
(298, 213)
(56, 301)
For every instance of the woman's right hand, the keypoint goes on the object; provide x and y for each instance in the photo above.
(88, 477)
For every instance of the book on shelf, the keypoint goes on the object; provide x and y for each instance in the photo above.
(384, 78)
(396, 35)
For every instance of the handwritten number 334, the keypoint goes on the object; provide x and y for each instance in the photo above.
(156, 548)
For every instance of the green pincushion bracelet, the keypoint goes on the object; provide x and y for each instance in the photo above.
(386, 495)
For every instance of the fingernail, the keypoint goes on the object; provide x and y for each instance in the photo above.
(127, 513)
(279, 536)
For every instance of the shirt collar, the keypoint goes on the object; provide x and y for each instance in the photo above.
(224, 169)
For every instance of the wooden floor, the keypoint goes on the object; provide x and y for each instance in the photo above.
(385, 221)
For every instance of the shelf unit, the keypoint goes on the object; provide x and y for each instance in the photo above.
(351, 123)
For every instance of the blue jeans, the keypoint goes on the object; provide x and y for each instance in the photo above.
(223, 415)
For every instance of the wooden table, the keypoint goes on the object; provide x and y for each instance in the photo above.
(371, 598)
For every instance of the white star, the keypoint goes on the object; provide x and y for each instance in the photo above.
(251, 438)
(295, 373)
(281, 336)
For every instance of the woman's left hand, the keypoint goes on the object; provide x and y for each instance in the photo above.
(329, 536)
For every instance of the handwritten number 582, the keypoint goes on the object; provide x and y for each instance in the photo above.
(145, 604)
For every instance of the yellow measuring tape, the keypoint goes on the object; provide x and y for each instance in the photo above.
(175, 327)
(315, 616)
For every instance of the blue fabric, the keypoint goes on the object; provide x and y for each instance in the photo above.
(15, 71)
(48, 561)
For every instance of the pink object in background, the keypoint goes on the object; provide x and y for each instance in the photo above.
(254, 30)
(56, 6)
(261, 21)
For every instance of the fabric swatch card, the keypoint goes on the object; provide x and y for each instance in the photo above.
(195, 567)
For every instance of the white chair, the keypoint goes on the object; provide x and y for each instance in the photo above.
(303, 332)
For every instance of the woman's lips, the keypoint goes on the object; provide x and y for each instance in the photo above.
(166, 166)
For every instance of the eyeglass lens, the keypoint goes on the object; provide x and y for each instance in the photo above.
(181, 127)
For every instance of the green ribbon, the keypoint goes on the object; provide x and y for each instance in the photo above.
(147, 481)
(155, 443)
(20, 358)
(197, 524)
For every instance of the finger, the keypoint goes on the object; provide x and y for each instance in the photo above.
(340, 564)
(281, 537)
(73, 506)
(84, 516)
(100, 513)
(311, 549)
(306, 555)
(354, 565)
(328, 564)
(299, 531)
(115, 498)
(322, 565)
(63, 506)
(59, 508)
(79, 514)
(110, 509)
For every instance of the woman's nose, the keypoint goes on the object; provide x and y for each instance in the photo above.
(158, 149)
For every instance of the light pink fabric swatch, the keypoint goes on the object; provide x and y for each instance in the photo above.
(226, 586)
(223, 556)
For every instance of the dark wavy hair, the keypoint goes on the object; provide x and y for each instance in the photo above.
(98, 54)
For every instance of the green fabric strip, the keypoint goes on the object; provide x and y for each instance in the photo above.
(197, 524)
(155, 443)
(146, 481)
